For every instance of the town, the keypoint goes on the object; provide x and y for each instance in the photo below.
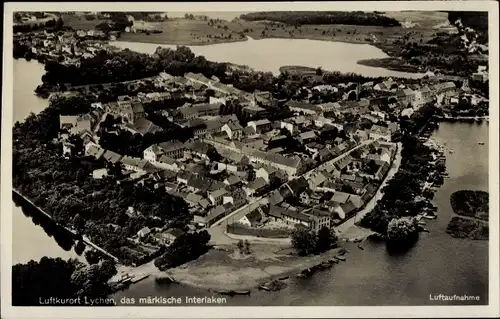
(192, 154)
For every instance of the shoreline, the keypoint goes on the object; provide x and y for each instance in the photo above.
(222, 278)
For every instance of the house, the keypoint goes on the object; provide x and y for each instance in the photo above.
(317, 219)
(232, 180)
(251, 219)
(143, 232)
(94, 150)
(216, 196)
(255, 187)
(165, 162)
(99, 173)
(290, 165)
(143, 126)
(75, 123)
(260, 126)
(316, 180)
(152, 153)
(307, 137)
(173, 149)
(172, 234)
(233, 130)
(379, 132)
(129, 110)
(198, 110)
(217, 213)
(198, 148)
(302, 107)
(266, 172)
(111, 157)
(130, 163)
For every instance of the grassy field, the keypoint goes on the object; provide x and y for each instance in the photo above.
(79, 22)
(185, 32)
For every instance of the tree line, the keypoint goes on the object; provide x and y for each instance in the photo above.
(35, 282)
(322, 17)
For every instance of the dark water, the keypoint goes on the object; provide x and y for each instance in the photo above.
(437, 264)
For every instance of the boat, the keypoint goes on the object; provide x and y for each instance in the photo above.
(451, 151)
(361, 247)
(429, 217)
(340, 258)
(264, 287)
(481, 143)
(137, 279)
(242, 292)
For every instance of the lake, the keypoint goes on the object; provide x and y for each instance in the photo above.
(270, 54)
(368, 277)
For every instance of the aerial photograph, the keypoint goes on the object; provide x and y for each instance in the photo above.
(271, 158)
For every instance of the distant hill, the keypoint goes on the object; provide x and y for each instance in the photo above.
(322, 17)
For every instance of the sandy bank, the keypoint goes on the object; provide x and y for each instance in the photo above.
(229, 270)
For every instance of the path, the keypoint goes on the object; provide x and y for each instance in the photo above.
(344, 228)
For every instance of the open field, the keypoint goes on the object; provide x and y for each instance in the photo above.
(185, 32)
(428, 19)
(79, 22)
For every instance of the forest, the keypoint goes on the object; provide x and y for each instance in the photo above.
(66, 190)
(323, 17)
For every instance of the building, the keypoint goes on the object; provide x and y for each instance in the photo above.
(198, 110)
(75, 124)
(252, 219)
(260, 126)
(266, 172)
(233, 130)
(255, 187)
(173, 149)
(143, 232)
(94, 150)
(99, 173)
(216, 197)
(303, 107)
(317, 219)
(172, 234)
(379, 132)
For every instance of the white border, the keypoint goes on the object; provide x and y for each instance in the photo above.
(249, 312)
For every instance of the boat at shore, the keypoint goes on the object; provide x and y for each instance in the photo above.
(342, 258)
(139, 278)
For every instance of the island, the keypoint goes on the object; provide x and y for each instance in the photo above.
(472, 206)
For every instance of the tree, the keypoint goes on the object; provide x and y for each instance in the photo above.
(36, 281)
(247, 247)
(92, 256)
(401, 229)
(79, 247)
(304, 241)
(251, 175)
(326, 238)
(319, 71)
(240, 245)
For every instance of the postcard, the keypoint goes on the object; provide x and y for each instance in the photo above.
(236, 160)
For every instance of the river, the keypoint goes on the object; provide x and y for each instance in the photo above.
(437, 264)
(270, 54)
